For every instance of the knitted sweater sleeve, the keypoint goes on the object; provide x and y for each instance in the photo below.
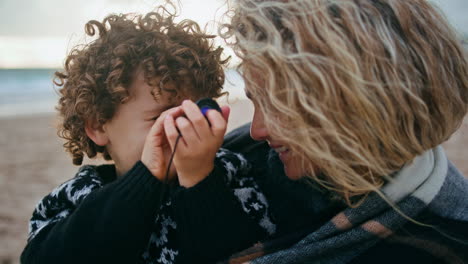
(82, 221)
(224, 213)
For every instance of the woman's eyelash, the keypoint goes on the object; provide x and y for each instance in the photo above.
(156, 117)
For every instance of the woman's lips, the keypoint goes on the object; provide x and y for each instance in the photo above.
(281, 150)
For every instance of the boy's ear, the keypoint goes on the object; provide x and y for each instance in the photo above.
(96, 133)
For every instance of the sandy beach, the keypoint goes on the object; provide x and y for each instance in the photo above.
(33, 162)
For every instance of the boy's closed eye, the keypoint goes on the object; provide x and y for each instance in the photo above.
(155, 114)
(151, 117)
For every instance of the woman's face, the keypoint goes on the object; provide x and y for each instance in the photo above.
(291, 162)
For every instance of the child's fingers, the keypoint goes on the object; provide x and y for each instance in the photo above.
(226, 110)
(156, 150)
(159, 123)
(187, 131)
(196, 117)
(158, 127)
(171, 132)
(174, 112)
(218, 123)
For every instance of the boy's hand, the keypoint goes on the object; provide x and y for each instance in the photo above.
(198, 144)
(156, 151)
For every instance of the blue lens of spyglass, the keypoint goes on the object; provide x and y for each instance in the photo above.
(204, 110)
(206, 104)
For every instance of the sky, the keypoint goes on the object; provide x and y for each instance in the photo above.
(38, 33)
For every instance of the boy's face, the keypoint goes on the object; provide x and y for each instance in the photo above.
(127, 130)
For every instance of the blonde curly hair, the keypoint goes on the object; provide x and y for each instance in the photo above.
(96, 76)
(361, 87)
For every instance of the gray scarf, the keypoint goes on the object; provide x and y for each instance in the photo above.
(429, 182)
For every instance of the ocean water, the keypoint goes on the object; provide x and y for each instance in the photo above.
(26, 91)
(29, 91)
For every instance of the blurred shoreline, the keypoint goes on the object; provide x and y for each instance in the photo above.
(33, 162)
(32, 91)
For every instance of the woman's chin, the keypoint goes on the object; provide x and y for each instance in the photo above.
(294, 172)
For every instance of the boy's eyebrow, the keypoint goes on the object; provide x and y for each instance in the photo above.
(152, 111)
(159, 109)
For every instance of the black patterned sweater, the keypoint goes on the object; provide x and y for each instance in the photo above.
(98, 218)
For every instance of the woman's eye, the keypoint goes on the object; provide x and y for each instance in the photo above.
(154, 118)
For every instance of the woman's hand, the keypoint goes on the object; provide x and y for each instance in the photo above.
(199, 142)
(157, 151)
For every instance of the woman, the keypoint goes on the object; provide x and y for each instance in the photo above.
(358, 96)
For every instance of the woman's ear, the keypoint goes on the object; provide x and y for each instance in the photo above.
(96, 133)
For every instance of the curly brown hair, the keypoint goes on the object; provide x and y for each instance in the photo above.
(96, 76)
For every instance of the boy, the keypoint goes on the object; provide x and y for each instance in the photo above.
(120, 97)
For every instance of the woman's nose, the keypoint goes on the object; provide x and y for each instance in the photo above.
(258, 130)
